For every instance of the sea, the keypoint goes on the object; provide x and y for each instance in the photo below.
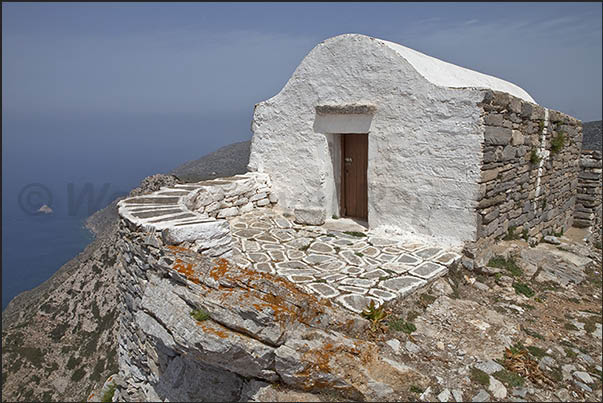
(78, 165)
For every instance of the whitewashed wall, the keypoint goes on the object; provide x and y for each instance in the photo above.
(424, 140)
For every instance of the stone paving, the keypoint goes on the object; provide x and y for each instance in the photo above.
(350, 268)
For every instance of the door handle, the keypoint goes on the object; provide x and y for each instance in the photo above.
(348, 160)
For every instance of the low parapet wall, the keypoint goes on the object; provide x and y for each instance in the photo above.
(191, 214)
(228, 197)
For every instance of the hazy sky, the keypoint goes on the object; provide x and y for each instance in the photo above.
(215, 61)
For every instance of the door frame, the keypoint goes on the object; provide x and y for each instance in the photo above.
(342, 193)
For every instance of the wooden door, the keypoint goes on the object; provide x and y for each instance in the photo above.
(354, 200)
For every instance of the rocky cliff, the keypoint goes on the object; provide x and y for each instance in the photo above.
(59, 340)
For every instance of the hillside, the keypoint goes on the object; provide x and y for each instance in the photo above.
(226, 161)
(59, 339)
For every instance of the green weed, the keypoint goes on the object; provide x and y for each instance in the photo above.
(557, 143)
(509, 265)
(534, 157)
(200, 315)
(375, 314)
(108, 395)
(509, 378)
(521, 288)
(536, 351)
(400, 325)
(479, 376)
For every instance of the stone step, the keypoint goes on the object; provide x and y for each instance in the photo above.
(156, 213)
(152, 200)
(172, 193)
(173, 218)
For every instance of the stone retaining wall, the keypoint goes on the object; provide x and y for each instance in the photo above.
(529, 172)
(132, 349)
(588, 200)
(154, 371)
(165, 240)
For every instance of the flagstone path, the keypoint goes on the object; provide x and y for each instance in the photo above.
(350, 268)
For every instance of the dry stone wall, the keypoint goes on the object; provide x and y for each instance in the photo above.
(153, 368)
(160, 234)
(588, 200)
(222, 198)
(194, 213)
(529, 174)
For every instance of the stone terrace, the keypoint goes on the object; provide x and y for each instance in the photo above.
(350, 268)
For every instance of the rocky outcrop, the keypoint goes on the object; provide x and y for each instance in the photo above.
(195, 328)
(45, 209)
(192, 328)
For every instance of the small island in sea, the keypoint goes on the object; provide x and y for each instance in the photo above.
(45, 209)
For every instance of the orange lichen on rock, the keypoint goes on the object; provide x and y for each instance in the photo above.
(364, 351)
(304, 306)
(178, 248)
(286, 302)
(219, 270)
(208, 329)
(283, 310)
(186, 269)
(278, 305)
